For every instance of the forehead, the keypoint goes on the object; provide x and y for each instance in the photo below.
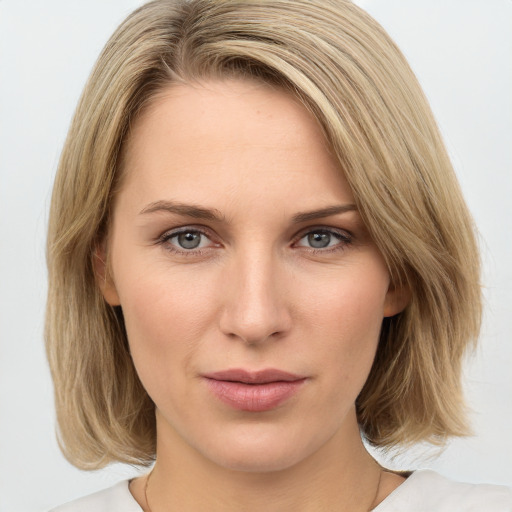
(219, 136)
(217, 113)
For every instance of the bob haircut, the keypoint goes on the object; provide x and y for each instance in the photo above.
(346, 70)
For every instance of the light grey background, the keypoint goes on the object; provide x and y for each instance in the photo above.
(461, 51)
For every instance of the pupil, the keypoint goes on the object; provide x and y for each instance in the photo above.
(189, 240)
(319, 240)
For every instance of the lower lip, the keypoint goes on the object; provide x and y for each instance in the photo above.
(254, 397)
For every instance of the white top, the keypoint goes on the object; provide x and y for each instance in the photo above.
(423, 491)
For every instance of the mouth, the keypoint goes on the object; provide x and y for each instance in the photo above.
(257, 391)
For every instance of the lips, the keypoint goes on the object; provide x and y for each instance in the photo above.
(253, 391)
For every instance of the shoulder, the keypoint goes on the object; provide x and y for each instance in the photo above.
(427, 491)
(114, 499)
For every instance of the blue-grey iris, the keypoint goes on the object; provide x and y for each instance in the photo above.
(319, 240)
(189, 240)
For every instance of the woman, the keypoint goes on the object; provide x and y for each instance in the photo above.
(259, 254)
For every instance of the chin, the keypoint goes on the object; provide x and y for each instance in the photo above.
(257, 461)
(259, 452)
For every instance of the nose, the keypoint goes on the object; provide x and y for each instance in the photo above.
(255, 307)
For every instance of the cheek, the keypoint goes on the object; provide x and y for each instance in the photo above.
(350, 302)
(344, 321)
(166, 316)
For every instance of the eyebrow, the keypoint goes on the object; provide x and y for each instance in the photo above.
(199, 212)
(324, 212)
(189, 210)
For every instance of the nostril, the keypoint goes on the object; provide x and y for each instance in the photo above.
(253, 310)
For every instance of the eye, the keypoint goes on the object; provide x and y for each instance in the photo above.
(324, 239)
(186, 240)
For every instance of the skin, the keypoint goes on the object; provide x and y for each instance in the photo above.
(254, 294)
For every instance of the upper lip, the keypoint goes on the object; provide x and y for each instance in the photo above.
(253, 377)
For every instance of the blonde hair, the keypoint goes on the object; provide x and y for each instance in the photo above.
(346, 70)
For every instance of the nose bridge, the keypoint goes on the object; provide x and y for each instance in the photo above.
(255, 307)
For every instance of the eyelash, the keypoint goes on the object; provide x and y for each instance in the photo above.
(168, 235)
(344, 239)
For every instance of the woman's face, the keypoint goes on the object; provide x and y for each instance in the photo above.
(252, 293)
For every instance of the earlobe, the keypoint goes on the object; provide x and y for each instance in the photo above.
(103, 276)
(397, 299)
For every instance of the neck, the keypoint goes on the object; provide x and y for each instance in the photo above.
(341, 476)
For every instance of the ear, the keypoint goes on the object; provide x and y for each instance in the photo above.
(103, 275)
(397, 299)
